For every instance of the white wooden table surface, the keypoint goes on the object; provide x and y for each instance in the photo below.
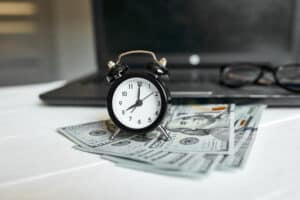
(38, 163)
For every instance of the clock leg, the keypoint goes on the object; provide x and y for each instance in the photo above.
(113, 136)
(164, 132)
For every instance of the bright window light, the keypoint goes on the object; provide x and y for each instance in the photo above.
(17, 8)
(17, 27)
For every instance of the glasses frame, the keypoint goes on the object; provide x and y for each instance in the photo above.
(263, 68)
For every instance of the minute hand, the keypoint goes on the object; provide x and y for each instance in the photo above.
(147, 96)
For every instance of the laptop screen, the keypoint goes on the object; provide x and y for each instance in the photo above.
(215, 30)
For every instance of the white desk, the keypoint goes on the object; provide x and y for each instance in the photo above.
(37, 163)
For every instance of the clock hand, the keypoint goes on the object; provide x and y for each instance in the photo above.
(133, 109)
(132, 106)
(139, 92)
(136, 104)
(147, 96)
(139, 102)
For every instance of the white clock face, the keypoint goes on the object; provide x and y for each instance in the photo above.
(136, 103)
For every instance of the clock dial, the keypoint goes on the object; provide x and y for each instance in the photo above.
(136, 103)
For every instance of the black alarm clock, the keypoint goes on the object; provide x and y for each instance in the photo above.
(137, 101)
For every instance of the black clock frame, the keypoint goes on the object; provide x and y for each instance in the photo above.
(165, 97)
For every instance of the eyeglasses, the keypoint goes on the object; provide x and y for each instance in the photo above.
(242, 74)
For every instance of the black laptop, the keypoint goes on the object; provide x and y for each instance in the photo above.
(198, 38)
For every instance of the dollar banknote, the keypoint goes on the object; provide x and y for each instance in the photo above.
(246, 125)
(212, 131)
(202, 129)
(93, 134)
(202, 172)
(145, 167)
(163, 160)
(130, 147)
(202, 138)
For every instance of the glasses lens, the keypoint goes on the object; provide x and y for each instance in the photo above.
(239, 75)
(289, 77)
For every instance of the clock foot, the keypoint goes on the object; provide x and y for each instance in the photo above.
(164, 134)
(113, 136)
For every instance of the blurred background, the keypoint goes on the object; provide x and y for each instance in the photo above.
(44, 40)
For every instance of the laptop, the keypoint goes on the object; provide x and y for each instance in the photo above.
(197, 38)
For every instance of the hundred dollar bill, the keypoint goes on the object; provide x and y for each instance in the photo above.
(212, 116)
(244, 135)
(162, 160)
(97, 134)
(135, 148)
(245, 118)
(191, 162)
(126, 148)
(137, 151)
(194, 129)
(140, 166)
(92, 134)
(209, 163)
(241, 156)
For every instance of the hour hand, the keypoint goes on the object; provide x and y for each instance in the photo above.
(132, 106)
